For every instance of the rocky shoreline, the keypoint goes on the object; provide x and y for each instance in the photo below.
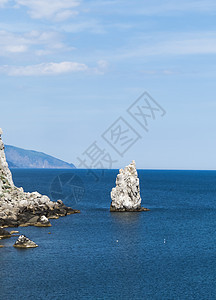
(21, 242)
(18, 208)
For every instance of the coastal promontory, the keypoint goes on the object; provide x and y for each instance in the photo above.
(18, 208)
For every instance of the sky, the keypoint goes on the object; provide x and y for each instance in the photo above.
(99, 83)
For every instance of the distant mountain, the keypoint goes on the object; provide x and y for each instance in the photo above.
(11, 165)
(21, 158)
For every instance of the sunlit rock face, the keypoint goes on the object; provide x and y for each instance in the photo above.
(5, 173)
(18, 208)
(24, 242)
(126, 195)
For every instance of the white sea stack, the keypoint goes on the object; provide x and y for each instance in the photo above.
(126, 195)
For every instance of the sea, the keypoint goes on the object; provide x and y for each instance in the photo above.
(168, 252)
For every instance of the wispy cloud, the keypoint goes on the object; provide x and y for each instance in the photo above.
(57, 10)
(102, 66)
(36, 42)
(54, 68)
(165, 44)
(44, 69)
(202, 45)
(95, 26)
(92, 26)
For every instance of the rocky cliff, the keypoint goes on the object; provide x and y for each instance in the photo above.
(126, 195)
(6, 177)
(18, 208)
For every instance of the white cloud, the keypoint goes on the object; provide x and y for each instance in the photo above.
(102, 66)
(35, 42)
(16, 48)
(57, 10)
(44, 69)
(12, 43)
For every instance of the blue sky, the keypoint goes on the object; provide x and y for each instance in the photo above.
(69, 69)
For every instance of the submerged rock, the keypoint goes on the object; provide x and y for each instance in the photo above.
(14, 231)
(126, 195)
(24, 242)
(18, 208)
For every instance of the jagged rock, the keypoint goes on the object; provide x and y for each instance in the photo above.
(126, 195)
(4, 234)
(18, 208)
(24, 242)
(43, 222)
(6, 181)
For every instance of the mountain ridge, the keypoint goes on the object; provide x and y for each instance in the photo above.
(23, 158)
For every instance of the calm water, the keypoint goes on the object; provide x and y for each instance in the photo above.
(167, 253)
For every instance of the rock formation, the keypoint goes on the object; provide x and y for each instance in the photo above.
(126, 195)
(6, 177)
(4, 234)
(24, 242)
(18, 208)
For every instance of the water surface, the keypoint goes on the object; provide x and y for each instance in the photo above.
(167, 253)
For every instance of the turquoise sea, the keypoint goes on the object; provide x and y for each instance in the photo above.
(167, 253)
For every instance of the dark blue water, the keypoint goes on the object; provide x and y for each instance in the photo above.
(167, 253)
